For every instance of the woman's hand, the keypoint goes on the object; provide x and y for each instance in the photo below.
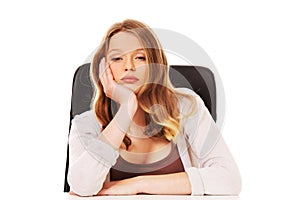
(111, 88)
(118, 127)
(123, 187)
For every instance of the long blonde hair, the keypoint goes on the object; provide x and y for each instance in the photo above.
(157, 98)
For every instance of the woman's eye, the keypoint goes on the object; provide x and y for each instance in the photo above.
(141, 58)
(116, 58)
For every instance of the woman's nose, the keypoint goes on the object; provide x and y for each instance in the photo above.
(129, 65)
(130, 68)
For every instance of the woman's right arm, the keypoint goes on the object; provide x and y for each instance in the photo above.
(93, 154)
(89, 158)
(116, 129)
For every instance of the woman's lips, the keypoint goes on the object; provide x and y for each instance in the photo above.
(129, 79)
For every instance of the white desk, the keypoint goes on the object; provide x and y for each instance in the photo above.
(153, 197)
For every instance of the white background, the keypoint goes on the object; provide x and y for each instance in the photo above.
(253, 44)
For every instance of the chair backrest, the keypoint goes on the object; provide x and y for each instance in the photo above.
(199, 79)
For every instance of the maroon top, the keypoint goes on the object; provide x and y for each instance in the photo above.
(124, 169)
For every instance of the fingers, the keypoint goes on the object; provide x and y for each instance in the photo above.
(104, 69)
(101, 67)
(105, 74)
(111, 88)
(106, 78)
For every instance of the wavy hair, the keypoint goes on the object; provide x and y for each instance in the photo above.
(157, 98)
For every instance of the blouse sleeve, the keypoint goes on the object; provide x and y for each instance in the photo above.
(90, 158)
(217, 173)
(213, 170)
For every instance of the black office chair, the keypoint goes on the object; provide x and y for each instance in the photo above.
(199, 79)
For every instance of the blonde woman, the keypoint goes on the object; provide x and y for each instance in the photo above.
(143, 135)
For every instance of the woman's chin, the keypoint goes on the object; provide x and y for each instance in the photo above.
(132, 87)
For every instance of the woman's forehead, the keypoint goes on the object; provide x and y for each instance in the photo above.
(124, 42)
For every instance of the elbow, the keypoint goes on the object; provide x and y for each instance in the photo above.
(232, 184)
(222, 182)
(83, 187)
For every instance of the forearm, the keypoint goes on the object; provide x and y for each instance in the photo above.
(176, 183)
(114, 133)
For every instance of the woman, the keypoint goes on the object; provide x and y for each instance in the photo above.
(143, 135)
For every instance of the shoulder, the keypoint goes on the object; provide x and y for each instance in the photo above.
(188, 98)
(198, 125)
(86, 122)
(186, 94)
(85, 116)
(184, 90)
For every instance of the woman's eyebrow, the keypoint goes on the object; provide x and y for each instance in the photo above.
(141, 49)
(116, 51)
(112, 50)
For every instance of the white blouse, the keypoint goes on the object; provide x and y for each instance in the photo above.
(205, 156)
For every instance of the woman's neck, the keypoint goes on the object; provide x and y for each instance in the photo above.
(138, 125)
(139, 117)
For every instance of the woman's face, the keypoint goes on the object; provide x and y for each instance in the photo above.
(127, 60)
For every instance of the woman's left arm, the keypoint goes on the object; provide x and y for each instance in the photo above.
(215, 174)
(218, 175)
(176, 183)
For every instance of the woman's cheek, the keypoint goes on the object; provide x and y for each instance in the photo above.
(115, 74)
